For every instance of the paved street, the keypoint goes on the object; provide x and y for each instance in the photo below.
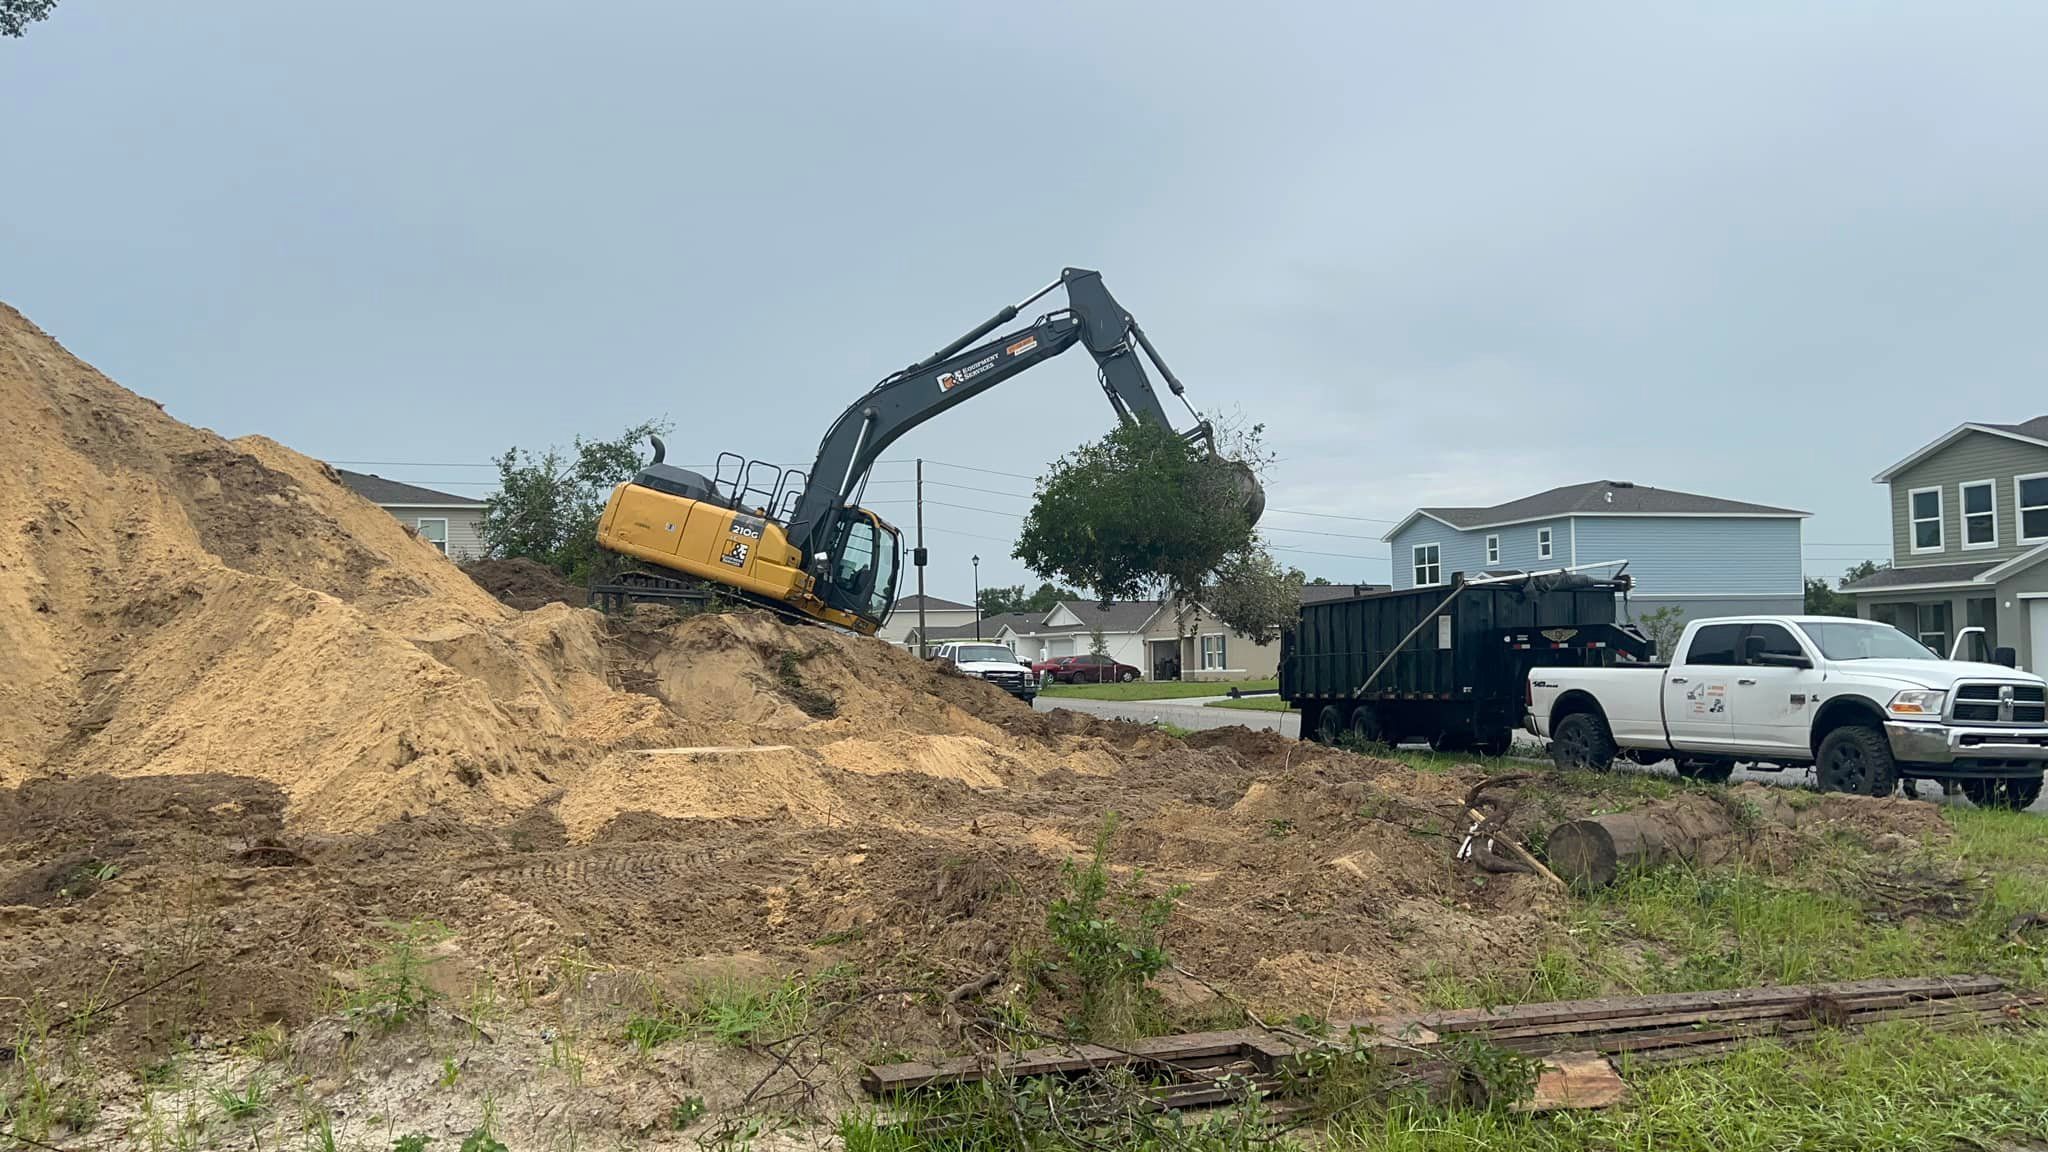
(1191, 712)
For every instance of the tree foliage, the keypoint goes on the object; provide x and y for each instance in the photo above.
(1136, 512)
(1822, 600)
(17, 15)
(547, 506)
(1254, 594)
(1013, 598)
(1663, 626)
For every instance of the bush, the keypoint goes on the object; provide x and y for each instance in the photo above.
(1108, 935)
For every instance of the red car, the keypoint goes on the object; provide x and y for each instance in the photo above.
(1093, 670)
(1052, 667)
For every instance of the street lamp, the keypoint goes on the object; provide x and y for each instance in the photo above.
(977, 596)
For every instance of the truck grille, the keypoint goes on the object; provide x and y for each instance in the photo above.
(1987, 703)
(1011, 682)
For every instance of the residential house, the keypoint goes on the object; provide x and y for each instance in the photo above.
(1001, 628)
(1969, 534)
(1069, 630)
(1703, 554)
(451, 523)
(902, 618)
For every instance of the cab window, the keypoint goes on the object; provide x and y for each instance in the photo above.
(884, 594)
(1714, 644)
(1777, 639)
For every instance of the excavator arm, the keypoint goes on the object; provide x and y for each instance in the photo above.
(965, 369)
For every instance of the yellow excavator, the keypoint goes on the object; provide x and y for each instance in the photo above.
(799, 542)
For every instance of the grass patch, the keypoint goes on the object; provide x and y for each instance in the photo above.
(1154, 690)
(729, 1011)
(1253, 704)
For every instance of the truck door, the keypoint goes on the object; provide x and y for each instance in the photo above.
(1769, 704)
(1696, 688)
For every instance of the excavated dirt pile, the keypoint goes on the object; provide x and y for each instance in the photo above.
(250, 720)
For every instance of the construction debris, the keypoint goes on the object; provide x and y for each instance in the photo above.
(1575, 1038)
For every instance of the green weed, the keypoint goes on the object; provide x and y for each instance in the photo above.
(412, 1142)
(1108, 937)
(393, 988)
(247, 1104)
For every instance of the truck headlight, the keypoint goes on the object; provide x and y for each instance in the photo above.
(1918, 702)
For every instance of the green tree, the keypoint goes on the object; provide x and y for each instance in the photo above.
(1862, 570)
(1822, 600)
(1135, 512)
(1013, 598)
(1098, 644)
(1255, 595)
(17, 15)
(546, 507)
(1663, 626)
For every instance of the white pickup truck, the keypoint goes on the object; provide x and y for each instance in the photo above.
(1863, 703)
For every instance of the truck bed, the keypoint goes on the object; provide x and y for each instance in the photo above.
(1632, 696)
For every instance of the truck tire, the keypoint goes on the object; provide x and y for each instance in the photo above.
(1329, 725)
(1365, 725)
(1706, 771)
(1857, 759)
(1582, 740)
(2014, 793)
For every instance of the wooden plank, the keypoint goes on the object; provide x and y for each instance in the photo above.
(1471, 1019)
(1794, 1008)
(1169, 1050)
(1574, 1080)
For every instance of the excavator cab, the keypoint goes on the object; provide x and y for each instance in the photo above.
(861, 565)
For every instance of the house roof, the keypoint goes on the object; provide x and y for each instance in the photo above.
(378, 490)
(1593, 498)
(1319, 593)
(1921, 575)
(991, 627)
(931, 604)
(1119, 616)
(2033, 431)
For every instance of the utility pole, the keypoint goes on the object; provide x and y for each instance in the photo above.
(917, 556)
(977, 596)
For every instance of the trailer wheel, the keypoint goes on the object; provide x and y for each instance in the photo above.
(2015, 794)
(1450, 742)
(1581, 740)
(1329, 725)
(1857, 759)
(1365, 725)
(1496, 741)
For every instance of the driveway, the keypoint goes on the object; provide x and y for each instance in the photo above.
(1190, 712)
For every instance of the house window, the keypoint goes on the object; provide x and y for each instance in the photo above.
(1925, 506)
(1212, 652)
(1492, 550)
(1543, 543)
(1428, 565)
(2030, 493)
(1934, 622)
(434, 530)
(1980, 515)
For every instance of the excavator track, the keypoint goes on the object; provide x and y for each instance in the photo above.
(640, 585)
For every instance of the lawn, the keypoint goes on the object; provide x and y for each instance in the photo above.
(1153, 690)
(1254, 703)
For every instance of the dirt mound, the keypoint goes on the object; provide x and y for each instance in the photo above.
(525, 584)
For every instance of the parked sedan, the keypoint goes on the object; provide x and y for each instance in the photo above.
(1094, 670)
(1052, 668)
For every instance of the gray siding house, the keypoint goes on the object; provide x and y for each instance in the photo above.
(446, 521)
(1969, 537)
(1706, 555)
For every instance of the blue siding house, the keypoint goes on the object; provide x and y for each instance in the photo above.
(1708, 556)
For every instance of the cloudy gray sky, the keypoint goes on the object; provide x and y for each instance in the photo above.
(1446, 253)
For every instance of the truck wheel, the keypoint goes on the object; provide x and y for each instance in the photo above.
(1365, 725)
(2011, 793)
(1329, 725)
(1856, 759)
(1496, 742)
(1706, 771)
(1582, 741)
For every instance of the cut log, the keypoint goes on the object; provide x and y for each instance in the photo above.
(1592, 852)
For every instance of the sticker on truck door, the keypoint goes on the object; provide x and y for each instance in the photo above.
(1708, 699)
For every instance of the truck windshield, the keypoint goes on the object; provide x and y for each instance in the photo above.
(969, 653)
(1850, 640)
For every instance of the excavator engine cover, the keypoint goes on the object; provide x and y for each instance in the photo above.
(680, 482)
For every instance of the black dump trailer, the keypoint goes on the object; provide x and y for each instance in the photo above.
(1460, 656)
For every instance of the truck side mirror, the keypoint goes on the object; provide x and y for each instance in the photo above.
(1753, 650)
(2010, 657)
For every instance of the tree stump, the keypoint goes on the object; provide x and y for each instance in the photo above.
(1592, 852)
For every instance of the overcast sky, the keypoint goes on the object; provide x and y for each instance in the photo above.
(1448, 254)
